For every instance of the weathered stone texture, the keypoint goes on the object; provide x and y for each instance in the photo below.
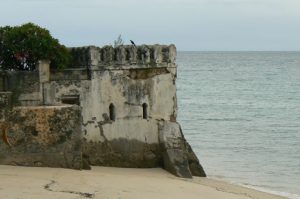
(194, 164)
(129, 109)
(125, 56)
(2, 81)
(43, 136)
(5, 104)
(24, 85)
(80, 57)
(70, 74)
(122, 152)
(173, 149)
(178, 156)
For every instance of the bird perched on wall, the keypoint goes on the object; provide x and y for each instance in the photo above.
(132, 43)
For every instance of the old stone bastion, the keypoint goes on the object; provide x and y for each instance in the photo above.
(112, 107)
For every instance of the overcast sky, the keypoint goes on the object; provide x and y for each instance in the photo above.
(189, 24)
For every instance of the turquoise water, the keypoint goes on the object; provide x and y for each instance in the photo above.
(240, 111)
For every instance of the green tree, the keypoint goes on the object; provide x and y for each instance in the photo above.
(21, 47)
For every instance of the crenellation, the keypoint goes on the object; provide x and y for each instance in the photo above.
(131, 54)
(144, 55)
(108, 55)
(80, 57)
(124, 56)
(94, 55)
(157, 55)
(172, 54)
(121, 55)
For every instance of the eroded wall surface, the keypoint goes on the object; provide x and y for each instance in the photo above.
(43, 136)
(129, 109)
(23, 85)
(5, 105)
(130, 136)
(143, 76)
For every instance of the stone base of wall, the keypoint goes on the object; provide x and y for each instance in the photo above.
(178, 156)
(43, 159)
(51, 136)
(48, 136)
(123, 153)
(171, 152)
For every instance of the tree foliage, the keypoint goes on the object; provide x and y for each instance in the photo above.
(118, 42)
(21, 47)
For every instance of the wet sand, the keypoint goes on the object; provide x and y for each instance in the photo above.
(114, 183)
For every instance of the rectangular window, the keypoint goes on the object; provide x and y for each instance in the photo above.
(70, 99)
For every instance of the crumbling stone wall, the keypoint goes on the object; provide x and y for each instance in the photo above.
(48, 136)
(23, 85)
(130, 140)
(129, 77)
(129, 110)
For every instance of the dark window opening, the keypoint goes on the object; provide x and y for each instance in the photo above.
(112, 112)
(127, 55)
(145, 111)
(34, 133)
(3, 83)
(70, 99)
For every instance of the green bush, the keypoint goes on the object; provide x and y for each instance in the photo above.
(21, 47)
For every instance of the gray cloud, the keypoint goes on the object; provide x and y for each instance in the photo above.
(190, 24)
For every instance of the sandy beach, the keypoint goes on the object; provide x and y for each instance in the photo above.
(114, 183)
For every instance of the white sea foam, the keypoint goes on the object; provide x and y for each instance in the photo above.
(279, 193)
(256, 187)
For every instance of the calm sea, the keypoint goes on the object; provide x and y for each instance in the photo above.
(240, 111)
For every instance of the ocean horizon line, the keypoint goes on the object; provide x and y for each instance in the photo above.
(243, 51)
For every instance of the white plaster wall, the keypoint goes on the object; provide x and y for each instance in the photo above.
(164, 97)
(116, 87)
(54, 90)
(127, 95)
(133, 129)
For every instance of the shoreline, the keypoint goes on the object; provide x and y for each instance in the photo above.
(110, 182)
(284, 194)
(252, 192)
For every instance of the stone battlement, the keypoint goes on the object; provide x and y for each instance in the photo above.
(124, 56)
(110, 107)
